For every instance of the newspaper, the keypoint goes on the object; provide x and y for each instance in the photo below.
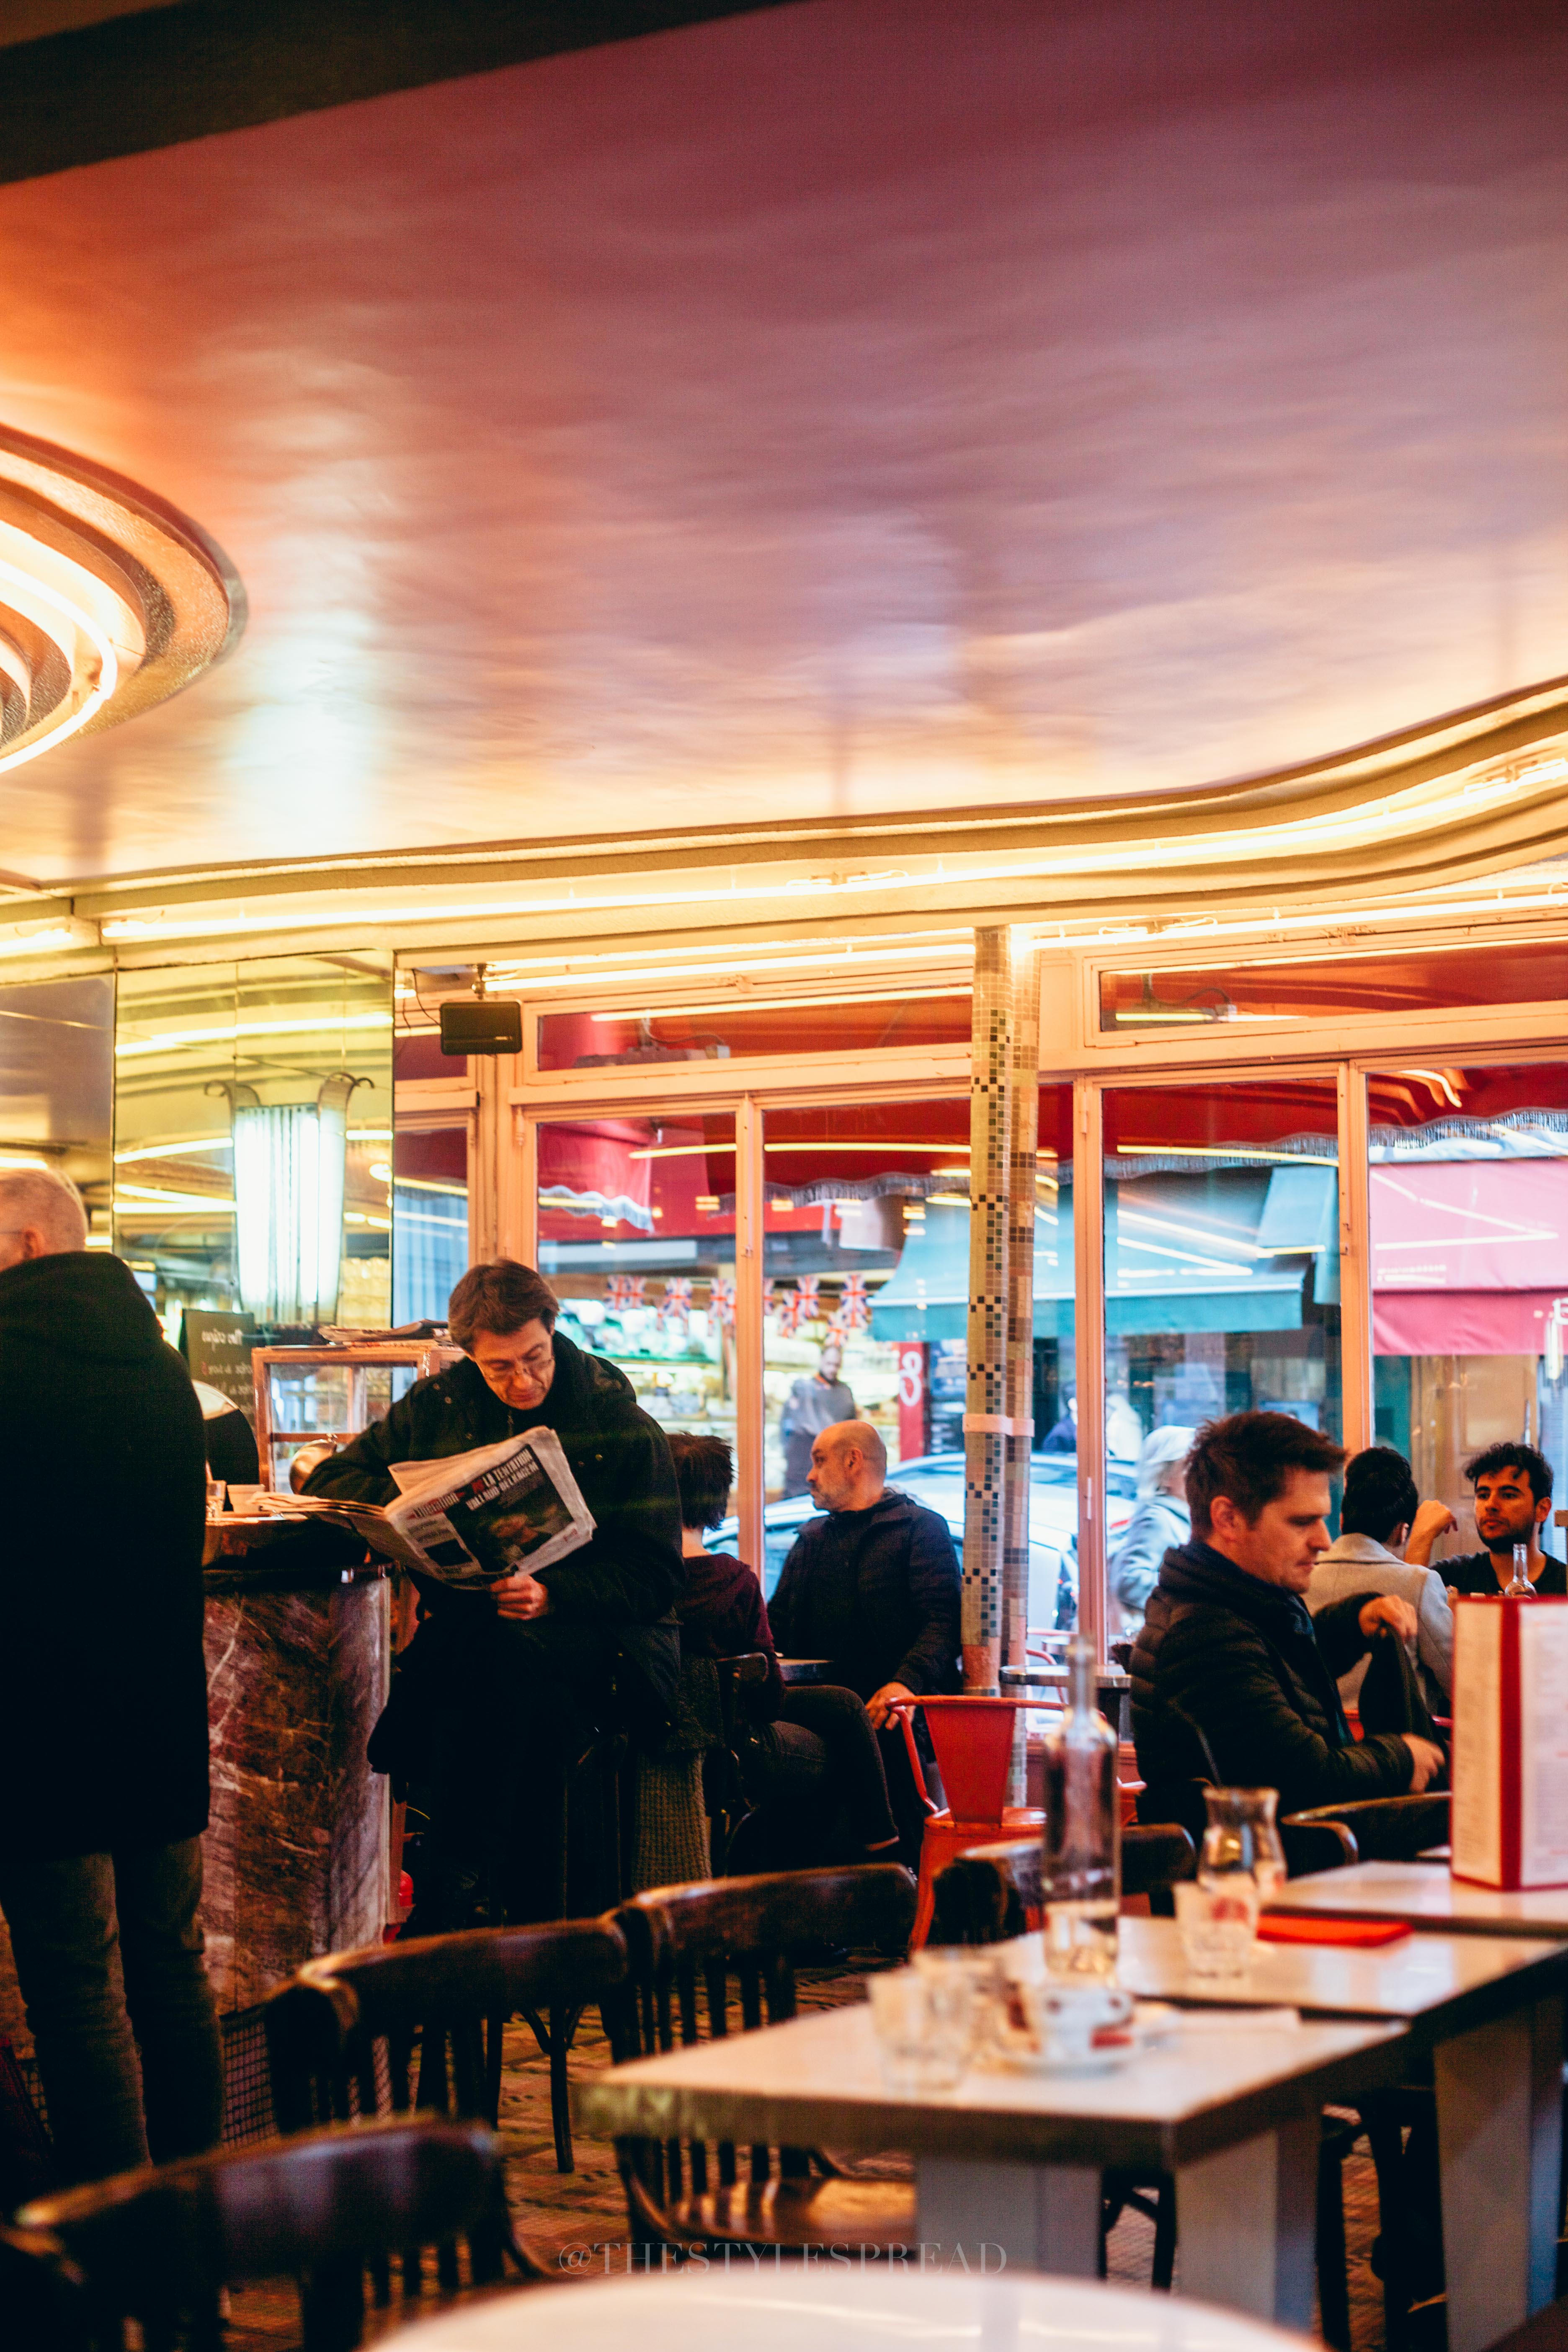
(472, 1517)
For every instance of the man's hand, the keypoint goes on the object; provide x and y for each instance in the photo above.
(1386, 1611)
(879, 1706)
(520, 1595)
(1428, 1760)
(1431, 1520)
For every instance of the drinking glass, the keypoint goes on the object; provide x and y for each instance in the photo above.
(1241, 1837)
(924, 2021)
(218, 1496)
(1217, 1921)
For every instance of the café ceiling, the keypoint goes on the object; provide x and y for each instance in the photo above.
(839, 408)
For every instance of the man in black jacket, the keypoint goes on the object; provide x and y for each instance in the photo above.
(1232, 1680)
(873, 1588)
(495, 1682)
(103, 1706)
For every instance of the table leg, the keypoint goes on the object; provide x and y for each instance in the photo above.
(1247, 2224)
(1032, 2217)
(1500, 2139)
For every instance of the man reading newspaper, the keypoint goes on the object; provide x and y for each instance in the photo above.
(507, 1675)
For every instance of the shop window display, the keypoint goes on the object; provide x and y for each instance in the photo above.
(636, 1235)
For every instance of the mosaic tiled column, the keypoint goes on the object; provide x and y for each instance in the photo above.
(1021, 1197)
(986, 1418)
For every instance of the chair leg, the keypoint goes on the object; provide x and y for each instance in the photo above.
(564, 2024)
(1333, 2287)
(1164, 2236)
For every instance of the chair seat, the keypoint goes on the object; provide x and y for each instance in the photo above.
(793, 2214)
(944, 1840)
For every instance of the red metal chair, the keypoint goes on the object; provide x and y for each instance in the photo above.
(972, 1737)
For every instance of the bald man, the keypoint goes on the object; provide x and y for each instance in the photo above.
(873, 1587)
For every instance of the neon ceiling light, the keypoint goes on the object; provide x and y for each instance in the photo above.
(169, 1040)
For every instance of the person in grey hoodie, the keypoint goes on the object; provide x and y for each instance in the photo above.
(1385, 1545)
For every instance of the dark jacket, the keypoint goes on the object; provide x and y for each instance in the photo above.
(1472, 1572)
(877, 1593)
(1258, 1676)
(104, 1700)
(630, 1572)
(723, 1615)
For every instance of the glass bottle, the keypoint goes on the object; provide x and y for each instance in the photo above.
(1519, 1586)
(1242, 1840)
(1080, 1892)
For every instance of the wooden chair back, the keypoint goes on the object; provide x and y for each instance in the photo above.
(684, 1944)
(727, 1803)
(994, 1891)
(1383, 1829)
(343, 2034)
(159, 2244)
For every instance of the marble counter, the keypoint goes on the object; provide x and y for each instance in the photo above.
(297, 1853)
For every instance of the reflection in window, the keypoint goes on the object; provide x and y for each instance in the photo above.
(723, 1028)
(1221, 1281)
(1468, 1200)
(1303, 988)
(253, 1134)
(636, 1235)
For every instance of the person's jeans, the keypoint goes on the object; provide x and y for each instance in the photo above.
(108, 1948)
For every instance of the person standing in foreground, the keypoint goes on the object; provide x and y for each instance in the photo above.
(103, 1725)
(1513, 1498)
(1384, 1543)
(874, 1589)
(1232, 1680)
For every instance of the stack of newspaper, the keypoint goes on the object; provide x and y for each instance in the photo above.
(472, 1517)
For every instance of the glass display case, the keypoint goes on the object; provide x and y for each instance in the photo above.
(307, 1395)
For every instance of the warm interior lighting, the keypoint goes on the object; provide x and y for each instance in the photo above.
(168, 1041)
(1224, 1152)
(707, 1204)
(61, 618)
(22, 1159)
(742, 1002)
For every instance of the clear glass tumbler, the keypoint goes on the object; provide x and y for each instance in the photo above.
(924, 2023)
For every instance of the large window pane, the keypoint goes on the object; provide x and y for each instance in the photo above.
(1468, 1198)
(430, 1187)
(1221, 1269)
(636, 1234)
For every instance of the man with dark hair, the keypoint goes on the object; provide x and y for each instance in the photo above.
(1513, 1496)
(1232, 1680)
(495, 1682)
(1385, 1545)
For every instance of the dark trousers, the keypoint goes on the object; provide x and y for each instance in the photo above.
(821, 1758)
(108, 1955)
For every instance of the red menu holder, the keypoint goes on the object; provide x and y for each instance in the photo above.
(1511, 1742)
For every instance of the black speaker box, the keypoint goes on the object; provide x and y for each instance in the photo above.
(486, 1025)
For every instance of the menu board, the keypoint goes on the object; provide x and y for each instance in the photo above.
(217, 1347)
(1511, 1742)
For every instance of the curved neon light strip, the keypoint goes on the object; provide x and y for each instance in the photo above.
(109, 664)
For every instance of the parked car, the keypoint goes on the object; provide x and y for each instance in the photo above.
(937, 1481)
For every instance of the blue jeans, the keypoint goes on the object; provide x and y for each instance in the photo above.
(108, 1946)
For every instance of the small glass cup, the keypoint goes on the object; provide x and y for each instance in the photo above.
(924, 2023)
(217, 1497)
(1217, 1920)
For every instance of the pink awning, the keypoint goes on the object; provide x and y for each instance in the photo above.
(1469, 1224)
(1461, 1322)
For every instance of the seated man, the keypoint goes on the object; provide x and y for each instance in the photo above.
(1385, 1545)
(873, 1588)
(1513, 1498)
(497, 1681)
(1232, 1680)
(809, 1756)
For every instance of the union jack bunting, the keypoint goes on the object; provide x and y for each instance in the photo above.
(783, 1306)
(721, 1301)
(807, 1307)
(617, 1293)
(676, 1305)
(853, 1313)
(636, 1284)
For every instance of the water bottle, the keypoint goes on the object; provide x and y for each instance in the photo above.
(1081, 1874)
(1519, 1586)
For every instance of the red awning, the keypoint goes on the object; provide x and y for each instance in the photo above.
(1461, 1322)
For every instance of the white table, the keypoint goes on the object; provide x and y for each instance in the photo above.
(815, 2307)
(1499, 2098)
(1013, 2162)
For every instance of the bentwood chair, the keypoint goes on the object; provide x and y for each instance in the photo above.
(342, 2034)
(157, 2246)
(684, 1944)
(1381, 1829)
